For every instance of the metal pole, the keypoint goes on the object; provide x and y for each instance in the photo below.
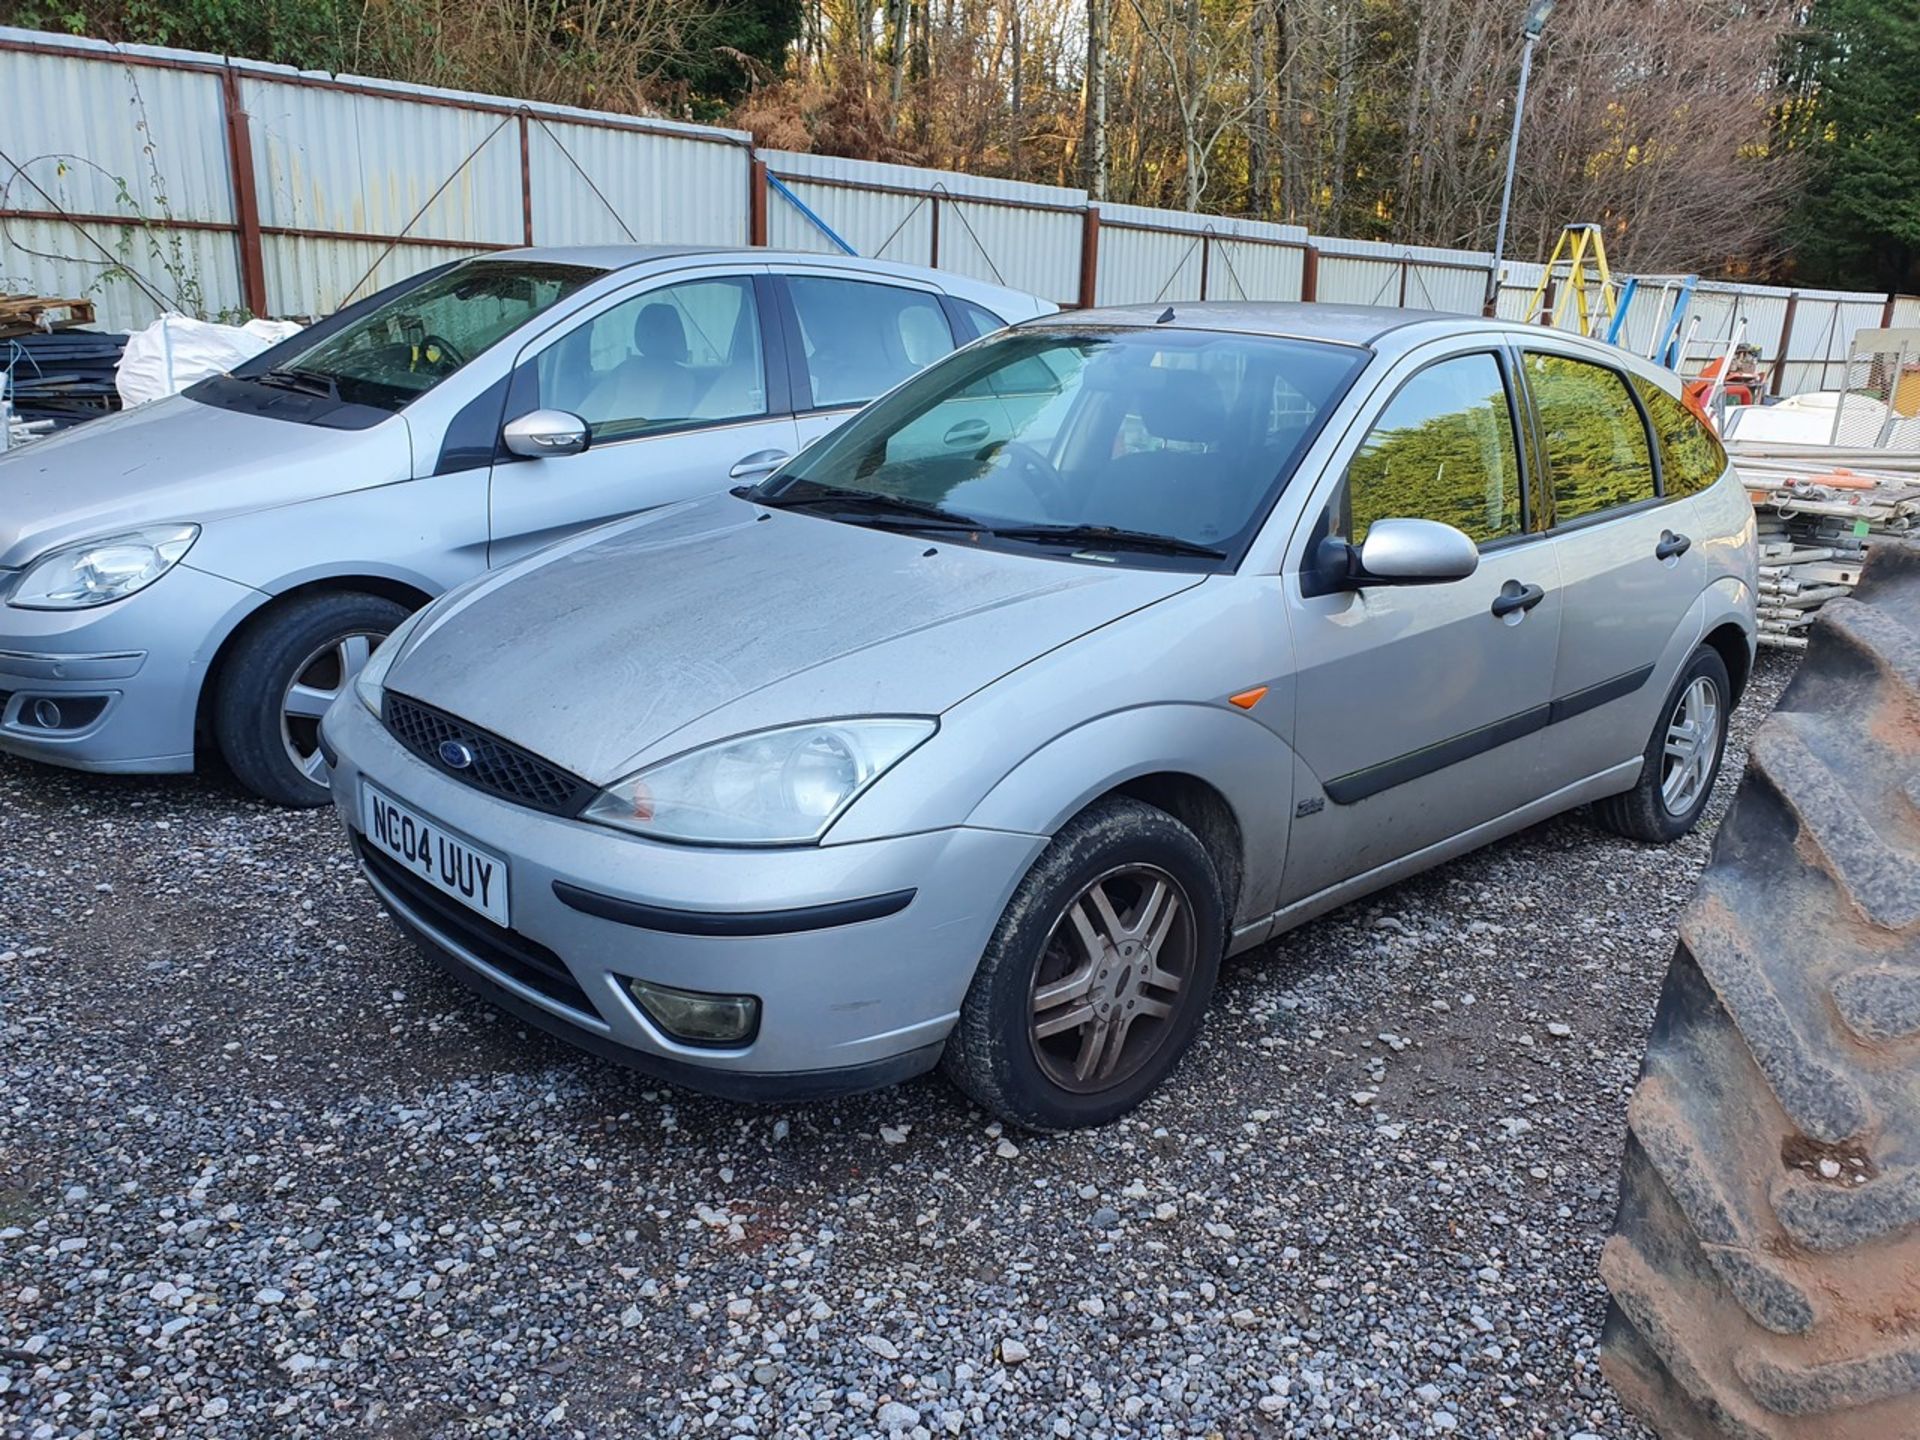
(1513, 158)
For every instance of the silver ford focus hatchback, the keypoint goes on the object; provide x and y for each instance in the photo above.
(212, 569)
(982, 730)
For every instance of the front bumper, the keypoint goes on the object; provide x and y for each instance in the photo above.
(133, 669)
(845, 1004)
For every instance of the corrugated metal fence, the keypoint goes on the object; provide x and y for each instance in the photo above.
(166, 179)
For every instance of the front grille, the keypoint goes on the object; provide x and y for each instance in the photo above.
(499, 767)
(507, 951)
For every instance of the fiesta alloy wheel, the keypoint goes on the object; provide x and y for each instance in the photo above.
(1682, 758)
(1098, 975)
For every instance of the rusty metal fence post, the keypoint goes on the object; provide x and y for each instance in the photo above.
(246, 196)
(1089, 255)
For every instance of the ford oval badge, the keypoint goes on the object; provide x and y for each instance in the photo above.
(454, 755)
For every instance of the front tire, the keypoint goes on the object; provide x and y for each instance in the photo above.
(1682, 758)
(283, 673)
(1098, 974)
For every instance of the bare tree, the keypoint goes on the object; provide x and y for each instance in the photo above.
(1259, 112)
(1093, 149)
(1206, 56)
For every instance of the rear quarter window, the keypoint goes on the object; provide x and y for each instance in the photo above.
(1691, 455)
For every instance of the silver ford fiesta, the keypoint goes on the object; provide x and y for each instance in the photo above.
(983, 729)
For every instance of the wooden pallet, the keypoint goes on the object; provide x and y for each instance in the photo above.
(23, 314)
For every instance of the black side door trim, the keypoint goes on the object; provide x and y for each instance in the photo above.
(1594, 696)
(1415, 764)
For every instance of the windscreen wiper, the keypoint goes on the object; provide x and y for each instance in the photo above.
(307, 382)
(869, 507)
(1108, 537)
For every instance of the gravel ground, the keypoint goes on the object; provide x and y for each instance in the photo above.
(264, 1172)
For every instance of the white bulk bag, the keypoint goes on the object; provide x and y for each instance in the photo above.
(176, 350)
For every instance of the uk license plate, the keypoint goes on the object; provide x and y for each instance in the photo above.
(451, 864)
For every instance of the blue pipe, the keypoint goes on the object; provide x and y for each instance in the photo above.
(825, 229)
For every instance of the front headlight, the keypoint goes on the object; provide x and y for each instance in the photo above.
(776, 787)
(101, 571)
(371, 683)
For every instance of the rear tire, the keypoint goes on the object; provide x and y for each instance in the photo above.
(309, 642)
(1667, 800)
(1765, 1263)
(1098, 975)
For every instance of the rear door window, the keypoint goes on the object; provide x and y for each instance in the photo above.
(1443, 449)
(1691, 456)
(862, 339)
(1597, 454)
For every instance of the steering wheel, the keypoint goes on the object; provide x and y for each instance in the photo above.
(447, 359)
(1036, 472)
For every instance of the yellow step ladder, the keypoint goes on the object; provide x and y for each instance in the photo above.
(1586, 287)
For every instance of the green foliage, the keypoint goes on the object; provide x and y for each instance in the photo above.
(313, 33)
(726, 45)
(1855, 119)
(747, 43)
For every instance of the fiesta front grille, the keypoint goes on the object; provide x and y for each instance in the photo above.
(496, 766)
(442, 921)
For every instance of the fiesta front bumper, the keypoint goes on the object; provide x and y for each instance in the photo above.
(859, 955)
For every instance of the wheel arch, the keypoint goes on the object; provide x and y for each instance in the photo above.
(1736, 653)
(1201, 807)
(1185, 759)
(1729, 625)
(387, 587)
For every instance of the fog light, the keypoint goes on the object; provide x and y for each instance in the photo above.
(46, 714)
(696, 1018)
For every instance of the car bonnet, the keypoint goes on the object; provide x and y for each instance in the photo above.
(718, 617)
(175, 460)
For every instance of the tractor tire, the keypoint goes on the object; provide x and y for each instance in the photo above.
(1765, 1262)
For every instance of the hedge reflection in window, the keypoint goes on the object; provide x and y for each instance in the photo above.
(1597, 456)
(1442, 450)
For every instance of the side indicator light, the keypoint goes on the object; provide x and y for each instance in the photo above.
(1247, 699)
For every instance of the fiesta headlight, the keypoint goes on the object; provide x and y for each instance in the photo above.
(371, 683)
(101, 571)
(774, 787)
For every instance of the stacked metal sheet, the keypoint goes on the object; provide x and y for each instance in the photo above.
(1819, 509)
(51, 381)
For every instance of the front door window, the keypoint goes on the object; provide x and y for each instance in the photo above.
(668, 359)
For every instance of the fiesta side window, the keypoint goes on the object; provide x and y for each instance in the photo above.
(1597, 454)
(1442, 449)
(1691, 456)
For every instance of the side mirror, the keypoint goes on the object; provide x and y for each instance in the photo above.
(1399, 552)
(540, 434)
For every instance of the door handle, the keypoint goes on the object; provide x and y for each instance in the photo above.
(1515, 597)
(761, 462)
(965, 432)
(1671, 544)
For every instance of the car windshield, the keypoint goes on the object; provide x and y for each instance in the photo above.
(394, 354)
(1150, 441)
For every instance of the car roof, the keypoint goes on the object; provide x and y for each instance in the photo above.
(1342, 324)
(626, 257)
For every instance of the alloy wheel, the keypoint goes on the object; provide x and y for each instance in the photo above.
(1693, 740)
(1112, 978)
(318, 681)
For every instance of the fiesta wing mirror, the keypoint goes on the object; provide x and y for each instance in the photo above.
(1400, 552)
